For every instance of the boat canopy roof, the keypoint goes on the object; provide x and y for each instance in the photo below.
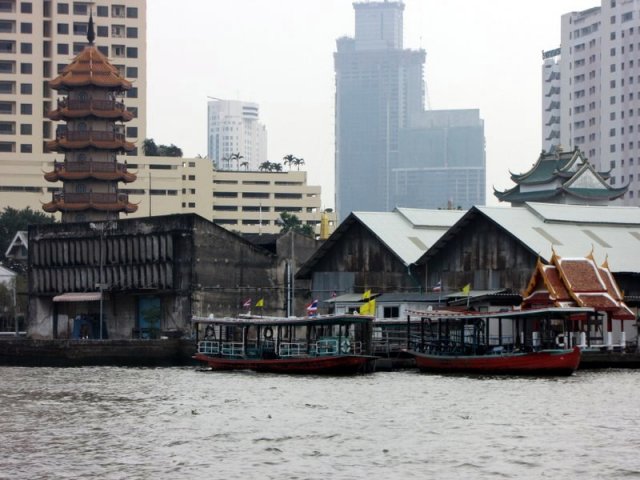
(556, 312)
(246, 320)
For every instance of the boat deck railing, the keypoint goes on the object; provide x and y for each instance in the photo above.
(293, 349)
(209, 347)
(232, 349)
(321, 347)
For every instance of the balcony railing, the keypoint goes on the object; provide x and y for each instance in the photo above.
(91, 197)
(86, 135)
(90, 166)
(92, 104)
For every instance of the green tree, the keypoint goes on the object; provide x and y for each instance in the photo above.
(270, 167)
(288, 160)
(298, 161)
(291, 222)
(169, 151)
(12, 221)
(149, 147)
(237, 157)
(265, 167)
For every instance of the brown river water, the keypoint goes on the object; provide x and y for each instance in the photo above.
(181, 423)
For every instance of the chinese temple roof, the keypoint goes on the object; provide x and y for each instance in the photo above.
(561, 177)
(576, 282)
(90, 67)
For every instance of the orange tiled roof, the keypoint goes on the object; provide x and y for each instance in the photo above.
(556, 285)
(576, 282)
(580, 274)
(90, 67)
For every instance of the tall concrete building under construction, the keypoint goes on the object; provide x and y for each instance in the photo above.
(390, 151)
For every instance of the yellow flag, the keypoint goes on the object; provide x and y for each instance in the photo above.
(368, 308)
(364, 309)
(466, 289)
(366, 295)
(260, 303)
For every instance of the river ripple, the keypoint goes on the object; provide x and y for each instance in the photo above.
(175, 423)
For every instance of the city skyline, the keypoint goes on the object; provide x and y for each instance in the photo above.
(281, 57)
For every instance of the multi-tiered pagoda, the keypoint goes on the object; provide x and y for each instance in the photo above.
(92, 137)
(561, 177)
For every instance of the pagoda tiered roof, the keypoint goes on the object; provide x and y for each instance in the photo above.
(91, 112)
(109, 109)
(79, 202)
(576, 282)
(79, 170)
(560, 176)
(83, 139)
(90, 68)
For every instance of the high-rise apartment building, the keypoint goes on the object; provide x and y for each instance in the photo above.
(236, 138)
(379, 109)
(599, 109)
(551, 99)
(38, 39)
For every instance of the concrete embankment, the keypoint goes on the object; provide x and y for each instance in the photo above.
(75, 353)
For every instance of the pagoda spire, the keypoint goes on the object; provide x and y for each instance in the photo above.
(91, 34)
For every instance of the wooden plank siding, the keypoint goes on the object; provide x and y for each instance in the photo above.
(373, 264)
(484, 255)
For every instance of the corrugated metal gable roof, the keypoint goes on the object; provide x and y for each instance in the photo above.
(571, 229)
(409, 240)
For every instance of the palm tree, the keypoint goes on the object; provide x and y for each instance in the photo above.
(291, 222)
(298, 161)
(265, 167)
(288, 160)
(276, 167)
(237, 157)
(245, 165)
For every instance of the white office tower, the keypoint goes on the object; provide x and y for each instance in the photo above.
(236, 138)
(599, 89)
(39, 39)
(550, 100)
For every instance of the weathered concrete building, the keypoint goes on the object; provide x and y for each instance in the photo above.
(155, 274)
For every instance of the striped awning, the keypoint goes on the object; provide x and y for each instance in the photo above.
(78, 297)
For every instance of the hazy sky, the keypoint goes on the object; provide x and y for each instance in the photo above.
(279, 54)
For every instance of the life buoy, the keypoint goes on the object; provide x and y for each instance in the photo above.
(268, 333)
(560, 343)
(345, 347)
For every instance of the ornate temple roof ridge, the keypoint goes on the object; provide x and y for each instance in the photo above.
(561, 177)
(576, 282)
(90, 67)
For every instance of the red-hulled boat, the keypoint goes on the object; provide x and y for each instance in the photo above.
(522, 342)
(544, 362)
(320, 345)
